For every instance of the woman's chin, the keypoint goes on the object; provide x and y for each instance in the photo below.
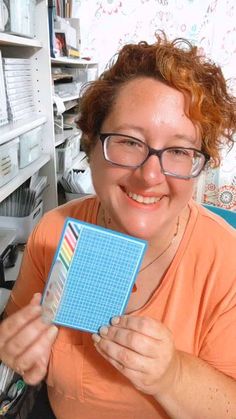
(142, 232)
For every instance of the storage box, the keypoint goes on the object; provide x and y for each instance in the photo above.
(30, 146)
(9, 161)
(64, 158)
(23, 225)
(21, 17)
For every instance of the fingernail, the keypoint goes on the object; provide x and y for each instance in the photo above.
(115, 320)
(36, 296)
(96, 338)
(52, 332)
(103, 330)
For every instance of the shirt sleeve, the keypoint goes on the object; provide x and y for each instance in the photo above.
(36, 262)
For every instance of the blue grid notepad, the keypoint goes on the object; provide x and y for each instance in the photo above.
(92, 276)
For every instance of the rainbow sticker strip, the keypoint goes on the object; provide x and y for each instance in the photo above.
(91, 277)
(59, 271)
(68, 244)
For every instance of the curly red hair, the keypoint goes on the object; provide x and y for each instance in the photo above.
(178, 64)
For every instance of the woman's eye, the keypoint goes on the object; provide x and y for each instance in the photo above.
(180, 152)
(130, 143)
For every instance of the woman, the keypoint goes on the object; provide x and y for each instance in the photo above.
(150, 124)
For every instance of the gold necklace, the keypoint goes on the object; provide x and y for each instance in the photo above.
(156, 257)
(165, 250)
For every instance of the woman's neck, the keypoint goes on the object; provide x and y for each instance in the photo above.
(156, 244)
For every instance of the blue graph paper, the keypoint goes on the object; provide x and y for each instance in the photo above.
(92, 281)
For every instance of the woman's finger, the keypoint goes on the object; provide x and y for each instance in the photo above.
(23, 339)
(136, 377)
(124, 356)
(34, 362)
(139, 343)
(144, 325)
(35, 375)
(14, 323)
(36, 299)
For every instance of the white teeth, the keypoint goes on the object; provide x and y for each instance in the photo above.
(144, 199)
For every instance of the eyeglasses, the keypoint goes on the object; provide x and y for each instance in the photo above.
(125, 151)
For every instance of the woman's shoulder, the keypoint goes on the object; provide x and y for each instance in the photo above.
(211, 250)
(49, 228)
(211, 245)
(211, 225)
(209, 240)
(83, 209)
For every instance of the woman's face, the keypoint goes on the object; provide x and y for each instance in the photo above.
(154, 113)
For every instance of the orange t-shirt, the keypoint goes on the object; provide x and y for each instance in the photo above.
(196, 300)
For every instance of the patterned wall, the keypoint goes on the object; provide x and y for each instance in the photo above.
(106, 25)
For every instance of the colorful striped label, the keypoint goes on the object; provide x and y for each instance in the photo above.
(68, 244)
(59, 272)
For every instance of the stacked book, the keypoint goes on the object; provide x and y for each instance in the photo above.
(19, 88)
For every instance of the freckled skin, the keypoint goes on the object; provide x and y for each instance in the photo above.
(154, 113)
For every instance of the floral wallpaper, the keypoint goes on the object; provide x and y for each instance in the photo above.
(106, 25)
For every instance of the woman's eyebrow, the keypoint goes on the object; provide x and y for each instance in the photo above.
(185, 137)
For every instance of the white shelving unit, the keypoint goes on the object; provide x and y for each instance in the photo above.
(37, 50)
(71, 101)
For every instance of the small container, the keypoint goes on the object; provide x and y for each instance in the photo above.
(30, 146)
(22, 17)
(23, 225)
(9, 161)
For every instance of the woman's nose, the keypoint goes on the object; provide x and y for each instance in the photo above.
(150, 171)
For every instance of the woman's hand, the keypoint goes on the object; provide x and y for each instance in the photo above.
(142, 349)
(26, 341)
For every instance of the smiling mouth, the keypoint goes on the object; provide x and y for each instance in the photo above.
(143, 199)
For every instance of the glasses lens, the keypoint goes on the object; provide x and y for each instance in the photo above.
(126, 151)
(183, 162)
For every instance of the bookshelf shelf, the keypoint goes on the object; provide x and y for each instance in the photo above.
(23, 175)
(7, 39)
(72, 61)
(14, 129)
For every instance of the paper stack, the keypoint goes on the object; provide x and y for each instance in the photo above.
(3, 101)
(19, 88)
